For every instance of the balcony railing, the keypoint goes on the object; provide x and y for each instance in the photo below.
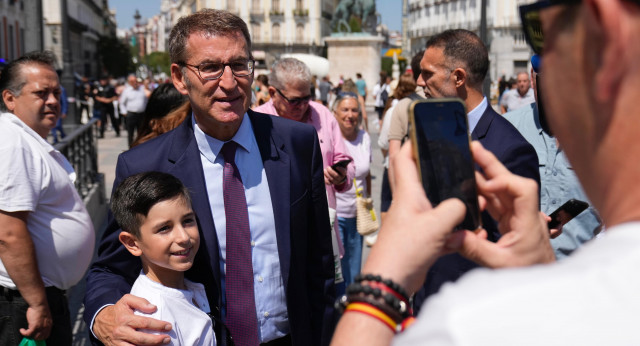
(300, 12)
(81, 149)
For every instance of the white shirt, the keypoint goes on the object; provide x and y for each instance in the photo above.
(589, 298)
(268, 285)
(186, 310)
(475, 114)
(133, 100)
(360, 151)
(35, 177)
(512, 99)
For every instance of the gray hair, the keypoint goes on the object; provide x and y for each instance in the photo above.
(343, 96)
(286, 70)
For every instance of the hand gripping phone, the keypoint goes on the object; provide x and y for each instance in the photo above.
(566, 212)
(441, 144)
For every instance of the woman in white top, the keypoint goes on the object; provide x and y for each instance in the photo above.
(346, 109)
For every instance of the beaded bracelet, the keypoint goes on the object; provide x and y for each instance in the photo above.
(393, 306)
(377, 278)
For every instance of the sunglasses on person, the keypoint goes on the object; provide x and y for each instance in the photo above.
(344, 94)
(531, 24)
(296, 101)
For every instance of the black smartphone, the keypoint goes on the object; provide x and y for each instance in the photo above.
(566, 212)
(342, 163)
(440, 137)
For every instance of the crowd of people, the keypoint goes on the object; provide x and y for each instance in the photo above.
(234, 214)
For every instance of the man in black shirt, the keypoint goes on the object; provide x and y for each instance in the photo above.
(104, 95)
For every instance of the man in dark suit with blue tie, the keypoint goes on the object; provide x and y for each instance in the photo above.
(455, 64)
(268, 273)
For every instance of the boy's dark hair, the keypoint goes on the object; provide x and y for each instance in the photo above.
(135, 196)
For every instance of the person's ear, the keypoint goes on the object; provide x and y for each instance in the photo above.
(178, 79)
(606, 27)
(9, 100)
(272, 91)
(459, 77)
(130, 242)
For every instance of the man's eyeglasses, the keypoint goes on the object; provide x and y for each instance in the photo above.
(213, 70)
(296, 101)
(531, 24)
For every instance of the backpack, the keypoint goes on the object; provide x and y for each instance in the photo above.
(384, 96)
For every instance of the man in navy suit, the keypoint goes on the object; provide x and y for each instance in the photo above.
(455, 64)
(280, 165)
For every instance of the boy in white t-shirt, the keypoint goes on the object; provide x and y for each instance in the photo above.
(159, 225)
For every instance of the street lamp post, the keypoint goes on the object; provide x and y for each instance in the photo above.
(486, 85)
(67, 64)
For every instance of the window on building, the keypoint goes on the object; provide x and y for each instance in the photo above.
(300, 33)
(22, 41)
(275, 33)
(255, 5)
(12, 49)
(299, 4)
(231, 5)
(275, 5)
(255, 30)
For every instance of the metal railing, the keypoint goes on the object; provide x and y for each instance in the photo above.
(81, 149)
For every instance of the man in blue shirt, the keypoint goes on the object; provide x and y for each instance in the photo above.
(558, 181)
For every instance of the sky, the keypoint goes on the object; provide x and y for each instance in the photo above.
(391, 11)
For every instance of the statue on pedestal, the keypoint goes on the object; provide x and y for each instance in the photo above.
(363, 10)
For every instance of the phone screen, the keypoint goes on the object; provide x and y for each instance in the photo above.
(441, 144)
(567, 212)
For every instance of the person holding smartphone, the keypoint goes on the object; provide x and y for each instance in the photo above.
(346, 109)
(558, 180)
(289, 88)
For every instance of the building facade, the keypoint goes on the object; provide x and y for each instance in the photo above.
(20, 28)
(88, 20)
(508, 51)
(276, 26)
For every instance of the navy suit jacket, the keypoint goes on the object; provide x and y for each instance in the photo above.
(500, 137)
(293, 164)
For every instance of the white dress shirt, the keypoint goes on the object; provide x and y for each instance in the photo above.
(273, 320)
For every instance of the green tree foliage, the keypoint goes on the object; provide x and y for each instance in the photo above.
(158, 62)
(115, 56)
(387, 64)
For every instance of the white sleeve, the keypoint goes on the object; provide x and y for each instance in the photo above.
(123, 102)
(383, 139)
(21, 177)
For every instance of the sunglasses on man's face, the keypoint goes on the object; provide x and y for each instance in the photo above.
(532, 25)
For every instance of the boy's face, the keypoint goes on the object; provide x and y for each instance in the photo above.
(169, 238)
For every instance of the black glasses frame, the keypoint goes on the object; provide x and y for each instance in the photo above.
(250, 64)
(295, 101)
(531, 24)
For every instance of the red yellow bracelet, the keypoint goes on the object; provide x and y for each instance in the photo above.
(373, 312)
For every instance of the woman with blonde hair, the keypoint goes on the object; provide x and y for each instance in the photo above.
(347, 109)
(350, 86)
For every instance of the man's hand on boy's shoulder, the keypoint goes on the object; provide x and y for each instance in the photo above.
(117, 324)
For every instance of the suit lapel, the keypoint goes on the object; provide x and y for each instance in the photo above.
(187, 166)
(483, 124)
(277, 168)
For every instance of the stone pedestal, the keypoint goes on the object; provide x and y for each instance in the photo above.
(355, 53)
